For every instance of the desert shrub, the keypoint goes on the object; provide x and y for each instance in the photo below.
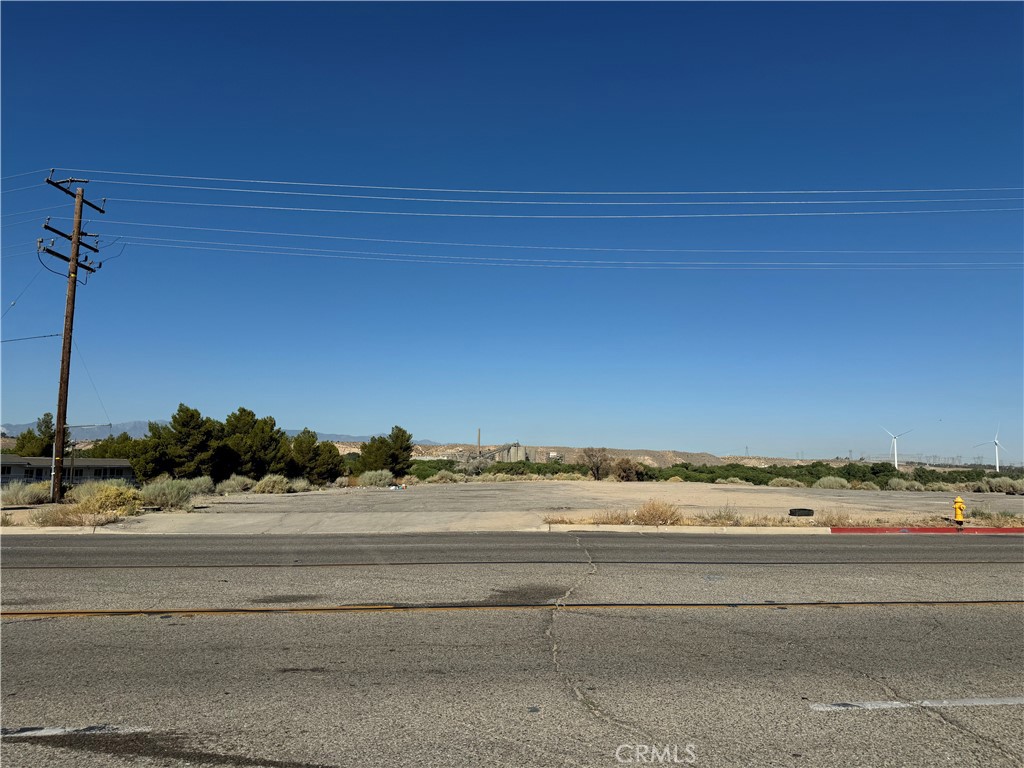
(410, 480)
(376, 478)
(426, 468)
(629, 471)
(18, 493)
(945, 487)
(785, 482)
(300, 485)
(867, 485)
(119, 499)
(913, 485)
(64, 516)
(476, 466)
(493, 477)
(6, 518)
(103, 505)
(674, 479)
(272, 484)
(200, 486)
(86, 490)
(722, 516)
(655, 512)
(574, 476)
(610, 517)
(1002, 484)
(235, 484)
(444, 476)
(896, 484)
(167, 494)
(832, 483)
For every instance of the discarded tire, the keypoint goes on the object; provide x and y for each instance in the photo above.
(801, 512)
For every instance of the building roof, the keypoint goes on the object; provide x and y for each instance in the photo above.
(45, 461)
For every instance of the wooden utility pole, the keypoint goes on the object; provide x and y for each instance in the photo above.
(57, 466)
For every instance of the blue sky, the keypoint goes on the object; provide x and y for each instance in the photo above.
(529, 97)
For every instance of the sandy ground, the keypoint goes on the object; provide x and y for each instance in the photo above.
(526, 505)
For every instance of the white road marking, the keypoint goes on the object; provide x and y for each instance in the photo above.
(50, 731)
(849, 706)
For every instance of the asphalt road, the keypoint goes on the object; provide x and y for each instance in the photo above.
(592, 649)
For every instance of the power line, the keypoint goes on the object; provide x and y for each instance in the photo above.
(34, 210)
(31, 220)
(25, 173)
(20, 189)
(546, 202)
(581, 264)
(554, 216)
(528, 247)
(161, 242)
(29, 338)
(11, 305)
(545, 192)
(81, 357)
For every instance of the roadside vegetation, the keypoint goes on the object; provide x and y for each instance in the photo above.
(661, 513)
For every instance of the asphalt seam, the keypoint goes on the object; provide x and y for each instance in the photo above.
(387, 608)
(793, 563)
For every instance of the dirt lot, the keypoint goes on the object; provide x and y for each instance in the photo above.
(525, 505)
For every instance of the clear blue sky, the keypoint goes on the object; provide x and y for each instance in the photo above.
(533, 97)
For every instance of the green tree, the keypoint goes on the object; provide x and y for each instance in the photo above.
(304, 452)
(261, 446)
(401, 451)
(184, 448)
(393, 452)
(123, 446)
(39, 441)
(327, 464)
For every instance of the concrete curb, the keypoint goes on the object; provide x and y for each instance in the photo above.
(549, 528)
(984, 531)
(773, 530)
(24, 530)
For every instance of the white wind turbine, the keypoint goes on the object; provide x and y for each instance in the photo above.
(893, 448)
(994, 441)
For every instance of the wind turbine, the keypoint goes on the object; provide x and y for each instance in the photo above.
(994, 441)
(893, 449)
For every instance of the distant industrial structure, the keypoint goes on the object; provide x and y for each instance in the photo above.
(509, 452)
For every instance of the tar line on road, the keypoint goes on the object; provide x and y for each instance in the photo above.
(398, 608)
(388, 564)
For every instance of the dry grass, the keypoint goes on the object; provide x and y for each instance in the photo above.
(7, 519)
(104, 505)
(19, 493)
(654, 512)
(984, 519)
(662, 513)
(72, 515)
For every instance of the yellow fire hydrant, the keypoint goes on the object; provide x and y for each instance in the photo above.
(958, 513)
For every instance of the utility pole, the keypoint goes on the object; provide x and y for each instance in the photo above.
(75, 238)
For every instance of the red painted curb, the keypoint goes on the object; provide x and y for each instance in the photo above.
(1011, 531)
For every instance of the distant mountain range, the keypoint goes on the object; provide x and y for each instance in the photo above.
(141, 429)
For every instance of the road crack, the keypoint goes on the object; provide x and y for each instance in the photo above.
(570, 681)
